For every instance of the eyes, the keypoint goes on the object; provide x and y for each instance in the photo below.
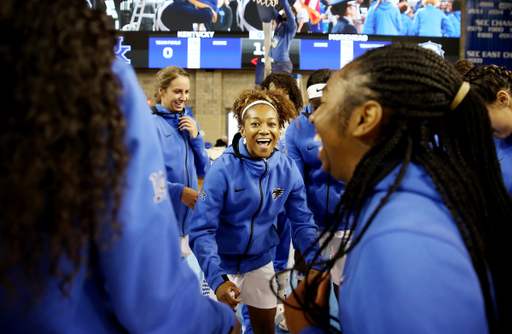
(180, 91)
(270, 124)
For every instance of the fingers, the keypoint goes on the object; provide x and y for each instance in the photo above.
(324, 291)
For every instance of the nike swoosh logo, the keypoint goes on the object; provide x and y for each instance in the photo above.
(237, 190)
(169, 135)
(501, 159)
(310, 148)
(319, 90)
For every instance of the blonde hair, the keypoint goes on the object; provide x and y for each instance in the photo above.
(433, 2)
(164, 77)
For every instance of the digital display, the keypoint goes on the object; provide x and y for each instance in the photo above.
(222, 53)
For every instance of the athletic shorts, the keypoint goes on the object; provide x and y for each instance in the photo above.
(255, 287)
(185, 248)
(332, 248)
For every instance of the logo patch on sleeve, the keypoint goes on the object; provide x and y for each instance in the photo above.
(202, 194)
(159, 186)
(277, 192)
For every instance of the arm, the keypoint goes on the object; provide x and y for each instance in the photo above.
(416, 24)
(301, 23)
(202, 161)
(205, 222)
(290, 20)
(447, 27)
(369, 22)
(291, 146)
(147, 291)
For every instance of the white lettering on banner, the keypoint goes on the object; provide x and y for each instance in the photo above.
(491, 54)
(482, 22)
(474, 28)
(475, 11)
(484, 35)
(220, 42)
(476, 60)
(495, 12)
(505, 36)
(320, 45)
(495, 29)
(486, 4)
(348, 37)
(473, 53)
(507, 54)
(501, 23)
(158, 42)
(195, 34)
(505, 5)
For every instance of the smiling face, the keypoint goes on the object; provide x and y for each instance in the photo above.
(261, 130)
(175, 97)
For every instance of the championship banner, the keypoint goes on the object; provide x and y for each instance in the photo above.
(489, 32)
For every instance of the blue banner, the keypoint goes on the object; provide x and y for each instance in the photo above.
(489, 32)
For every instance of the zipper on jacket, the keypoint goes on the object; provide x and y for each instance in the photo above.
(259, 208)
(188, 180)
(327, 205)
(238, 256)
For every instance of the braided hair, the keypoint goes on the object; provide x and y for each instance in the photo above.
(62, 140)
(488, 80)
(416, 87)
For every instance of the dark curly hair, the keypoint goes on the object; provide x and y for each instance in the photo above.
(416, 87)
(276, 97)
(63, 155)
(287, 83)
(463, 65)
(488, 80)
(319, 76)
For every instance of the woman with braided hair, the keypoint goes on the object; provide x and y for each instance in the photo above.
(494, 85)
(428, 212)
(234, 230)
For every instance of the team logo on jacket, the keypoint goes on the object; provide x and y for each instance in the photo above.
(277, 192)
(159, 186)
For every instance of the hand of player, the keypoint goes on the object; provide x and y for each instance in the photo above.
(189, 197)
(296, 318)
(225, 292)
(187, 123)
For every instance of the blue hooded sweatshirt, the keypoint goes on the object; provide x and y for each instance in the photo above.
(284, 33)
(383, 19)
(323, 191)
(185, 159)
(432, 22)
(455, 18)
(139, 284)
(235, 218)
(406, 25)
(504, 153)
(411, 272)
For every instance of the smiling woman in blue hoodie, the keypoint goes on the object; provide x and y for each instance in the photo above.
(429, 212)
(234, 229)
(183, 146)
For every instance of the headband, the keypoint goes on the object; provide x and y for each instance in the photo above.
(461, 94)
(316, 90)
(258, 102)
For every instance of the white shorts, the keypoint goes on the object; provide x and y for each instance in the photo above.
(185, 248)
(255, 287)
(332, 248)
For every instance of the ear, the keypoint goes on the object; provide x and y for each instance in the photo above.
(161, 91)
(242, 132)
(368, 118)
(503, 99)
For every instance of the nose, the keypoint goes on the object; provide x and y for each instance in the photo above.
(264, 129)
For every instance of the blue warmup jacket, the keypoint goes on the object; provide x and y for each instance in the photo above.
(185, 159)
(455, 19)
(344, 27)
(432, 22)
(139, 284)
(504, 153)
(406, 25)
(411, 272)
(235, 218)
(284, 33)
(383, 20)
(323, 191)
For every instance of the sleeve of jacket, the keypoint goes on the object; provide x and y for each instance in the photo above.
(290, 20)
(416, 24)
(369, 22)
(148, 286)
(291, 146)
(304, 230)
(398, 21)
(447, 27)
(202, 160)
(205, 222)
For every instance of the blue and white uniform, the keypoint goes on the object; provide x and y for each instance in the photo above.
(139, 284)
(383, 19)
(234, 226)
(185, 159)
(323, 191)
(432, 22)
(411, 272)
